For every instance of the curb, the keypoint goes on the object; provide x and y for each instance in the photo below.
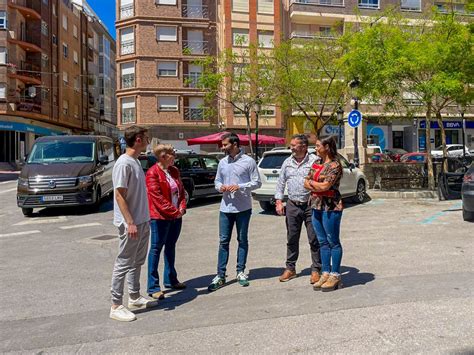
(403, 194)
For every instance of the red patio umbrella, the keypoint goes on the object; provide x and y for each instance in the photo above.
(216, 138)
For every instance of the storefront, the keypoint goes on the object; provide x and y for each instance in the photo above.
(453, 131)
(16, 139)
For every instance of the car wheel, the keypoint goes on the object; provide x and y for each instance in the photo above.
(98, 199)
(266, 206)
(187, 197)
(27, 212)
(360, 192)
(467, 215)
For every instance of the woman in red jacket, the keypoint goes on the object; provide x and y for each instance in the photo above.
(167, 203)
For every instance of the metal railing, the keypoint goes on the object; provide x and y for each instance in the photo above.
(319, 2)
(30, 4)
(195, 11)
(128, 81)
(195, 47)
(195, 114)
(192, 80)
(322, 35)
(127, 11)
(127, 47)
(27, 104)
(128, 115)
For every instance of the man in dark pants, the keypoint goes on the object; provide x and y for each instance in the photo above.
(293, 171)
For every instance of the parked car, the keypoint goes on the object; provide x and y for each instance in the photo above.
(218, 155)
(198, 172)
(454, 150)
(416, 157)
(353, 182)
(66, 171)
(395, 153)
(467, 195)
(376, 148)
(381, 158)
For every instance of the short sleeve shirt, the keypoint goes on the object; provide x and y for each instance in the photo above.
(332, 173)
(128, 174)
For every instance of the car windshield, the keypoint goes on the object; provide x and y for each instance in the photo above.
(273, 161)
(59, 151)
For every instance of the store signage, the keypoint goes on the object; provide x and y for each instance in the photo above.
(447, 124)
(23, 127)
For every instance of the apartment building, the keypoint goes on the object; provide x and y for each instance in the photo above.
(159, 42)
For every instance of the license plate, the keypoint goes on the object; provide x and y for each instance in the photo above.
(52, 198)
(272, 177)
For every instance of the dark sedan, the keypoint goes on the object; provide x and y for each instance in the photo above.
(467, 195)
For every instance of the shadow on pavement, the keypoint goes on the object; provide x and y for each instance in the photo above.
(9, 176)
(352, 276)
(204, 201)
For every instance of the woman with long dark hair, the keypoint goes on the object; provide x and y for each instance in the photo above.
(323, 181)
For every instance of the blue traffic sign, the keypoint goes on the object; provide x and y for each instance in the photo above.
(354, 118)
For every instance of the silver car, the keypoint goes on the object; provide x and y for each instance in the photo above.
(353, 182)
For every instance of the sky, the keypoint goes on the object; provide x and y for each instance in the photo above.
(105, 9)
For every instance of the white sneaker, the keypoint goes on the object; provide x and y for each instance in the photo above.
(122, 314)
(141, 303)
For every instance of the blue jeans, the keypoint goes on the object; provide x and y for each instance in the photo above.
(164, 233)
(327, 226)
(226, 224)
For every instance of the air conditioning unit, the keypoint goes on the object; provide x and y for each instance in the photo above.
(12, 106)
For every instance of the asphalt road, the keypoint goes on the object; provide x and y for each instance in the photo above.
(407, 270)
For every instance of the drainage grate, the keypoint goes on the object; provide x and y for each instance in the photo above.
(104, 237)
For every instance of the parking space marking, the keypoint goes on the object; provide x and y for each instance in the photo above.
(19, 233)
(82, 225)
(437, 215)
(39, 220)
(9, 190)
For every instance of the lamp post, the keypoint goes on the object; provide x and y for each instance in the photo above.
(415, 133)
(340, 121)
(355, 103)
(258, 107)
(462, 110)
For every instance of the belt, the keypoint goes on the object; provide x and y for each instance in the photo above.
(299, 203)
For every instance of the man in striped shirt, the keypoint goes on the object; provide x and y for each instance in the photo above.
(292, 174)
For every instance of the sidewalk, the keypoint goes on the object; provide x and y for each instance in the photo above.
(403, 194)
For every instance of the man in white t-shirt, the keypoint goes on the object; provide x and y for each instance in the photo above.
(132, 217)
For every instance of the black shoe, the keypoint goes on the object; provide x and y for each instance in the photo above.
(177, 286)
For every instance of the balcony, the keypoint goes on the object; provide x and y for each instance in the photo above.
(127, 47)
(128, 81)
(195, 47)
(195, 114)
(128, 116)
(192, 80)
(26, 104)
(458, 7)
(28, 43)
(195, 11)
(127, 11)
(305, 11)
(312, 35)
(29, 74)
(30, 9)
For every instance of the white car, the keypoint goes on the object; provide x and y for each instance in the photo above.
(353, 182)
(454, 150)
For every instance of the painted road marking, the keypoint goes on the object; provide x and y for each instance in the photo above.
(7, 182)
(81, 225)
(40, 220)
(9, 190)
(19, 233)
(437, 215)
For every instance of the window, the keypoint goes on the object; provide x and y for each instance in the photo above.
(265, 6)
(74, 31)
(371, 4)
(77, 84)
(267, 111)
(76, 111)
(167, 68)
(128, 110)
(3, 91)
(166, 34)
(108, 150)
(167, 103)
(55, 40)
(3, 55)
(3, 20)
(44, 61)
(65, 22)
(44, 28)
(128, 75)
(54, 9)
(411, 5)
(76, 58)
(126, 9)
(210, 163)
(240, 37)
(240, 5)
(65, 107)
(165, 2)
(265, 39)
(127, 41)
(65, 50)
(65, 76)
(325, 32)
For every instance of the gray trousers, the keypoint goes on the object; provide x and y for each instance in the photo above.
(296, 216)
(131, 256)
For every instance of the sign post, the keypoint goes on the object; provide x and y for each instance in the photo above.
(354, 118)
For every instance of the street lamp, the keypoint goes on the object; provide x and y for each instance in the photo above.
(257, 109)
(462, 110)
(340, 121)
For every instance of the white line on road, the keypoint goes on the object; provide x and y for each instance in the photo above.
(7, 182)
(81, 225)
(19, 233)
(9, 190)
(40, 220)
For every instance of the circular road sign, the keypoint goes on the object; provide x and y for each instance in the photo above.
(354, 118)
